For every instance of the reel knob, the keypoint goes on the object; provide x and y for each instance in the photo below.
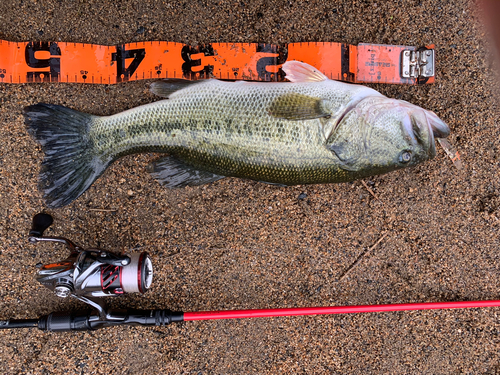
(41, 222)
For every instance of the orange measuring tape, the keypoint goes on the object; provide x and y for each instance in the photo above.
(25, 62)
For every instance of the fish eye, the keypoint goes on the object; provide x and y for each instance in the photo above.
(405, 157)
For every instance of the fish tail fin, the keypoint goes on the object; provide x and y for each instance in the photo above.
(70, 165)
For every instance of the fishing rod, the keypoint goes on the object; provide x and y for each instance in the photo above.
(88, 275)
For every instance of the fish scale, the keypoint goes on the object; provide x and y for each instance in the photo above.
(224, 118)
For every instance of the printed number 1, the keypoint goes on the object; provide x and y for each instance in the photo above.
(123, 73)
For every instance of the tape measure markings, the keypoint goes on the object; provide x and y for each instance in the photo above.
(26, 62)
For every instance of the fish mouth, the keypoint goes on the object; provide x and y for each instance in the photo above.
(431, 146)
(423, 127)
(437, 126)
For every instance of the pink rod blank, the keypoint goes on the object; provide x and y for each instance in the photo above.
(239, 314)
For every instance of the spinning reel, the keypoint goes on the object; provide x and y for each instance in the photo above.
(88, 275)
(93, 272)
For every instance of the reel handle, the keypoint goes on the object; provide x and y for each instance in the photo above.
(40, 223)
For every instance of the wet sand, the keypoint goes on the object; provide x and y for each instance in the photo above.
(238, 244)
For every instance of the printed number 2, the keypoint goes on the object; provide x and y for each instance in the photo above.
(264, 62)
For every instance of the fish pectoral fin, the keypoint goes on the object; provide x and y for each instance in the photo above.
(167, 87)
(297, 71)
(295, 106)
(174, 173)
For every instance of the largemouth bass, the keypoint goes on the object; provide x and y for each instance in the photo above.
(308, 131)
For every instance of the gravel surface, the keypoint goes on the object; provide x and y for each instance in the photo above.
(238, 244)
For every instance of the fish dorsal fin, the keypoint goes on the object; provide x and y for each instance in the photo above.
(167, 87)
(295, 106)
(297, 71)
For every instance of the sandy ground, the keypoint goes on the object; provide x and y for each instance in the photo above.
(239, 244)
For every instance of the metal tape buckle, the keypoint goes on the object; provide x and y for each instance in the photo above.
(417, 64)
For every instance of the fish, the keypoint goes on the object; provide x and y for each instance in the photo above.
(310, 130)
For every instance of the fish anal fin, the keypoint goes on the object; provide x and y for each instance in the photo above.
(174, 173)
